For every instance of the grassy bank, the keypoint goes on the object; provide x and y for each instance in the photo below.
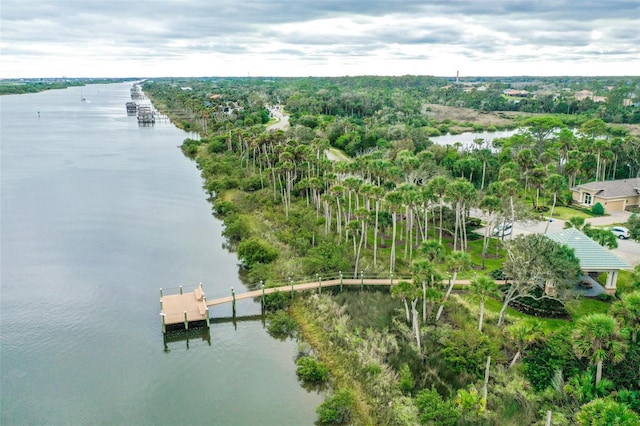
(340, 362)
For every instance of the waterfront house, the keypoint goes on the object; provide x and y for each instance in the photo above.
(614, 195)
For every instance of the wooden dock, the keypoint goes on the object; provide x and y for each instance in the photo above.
(183, 308)
(186, 308)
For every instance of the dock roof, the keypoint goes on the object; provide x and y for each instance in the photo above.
(591, 254)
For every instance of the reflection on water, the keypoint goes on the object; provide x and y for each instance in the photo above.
(197, 334)
(468, 139)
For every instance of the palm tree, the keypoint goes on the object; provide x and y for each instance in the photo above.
(554, 183)
(438, 187)
(402, 290)
(425, 272)
(457, 261)
(409, 291)
(489, 204)
(394, 199)
(627, 311)
(377, 193)
(537, 177)
(482, 288)
(522, 334)
(597, 338)
(575, 222)
(361, 216)
(460, 192)
(510, 187)
(602, 236)
(432, 250)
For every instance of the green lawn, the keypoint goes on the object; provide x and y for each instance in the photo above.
(566, 213)
(493, 306)
(577, 309)
(581, 307)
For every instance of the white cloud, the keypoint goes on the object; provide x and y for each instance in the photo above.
(329, 37)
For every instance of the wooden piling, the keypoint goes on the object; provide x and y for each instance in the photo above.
(233, 303)
(340, 281)
(361, 280)
(291, 283)
(262, 287)
(186, 322)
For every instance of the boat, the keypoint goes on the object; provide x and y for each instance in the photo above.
(146, 115)
(132, 108)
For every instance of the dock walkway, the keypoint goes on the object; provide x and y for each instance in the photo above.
(185, 308)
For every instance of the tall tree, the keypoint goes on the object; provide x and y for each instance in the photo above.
(554, 183)
(426, 273)
(377, 193)
(510, 188)
(534, 259)
(438, 187)
(460, 193)
(597, 338)
(482, 288)
(410, 291)
(541, 128)
(457, 261)
(394, 199)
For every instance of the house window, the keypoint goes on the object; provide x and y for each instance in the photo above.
(587, 198)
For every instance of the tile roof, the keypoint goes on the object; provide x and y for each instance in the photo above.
(591, 254)
(613, 188)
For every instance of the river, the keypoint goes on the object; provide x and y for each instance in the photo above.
(97, 214)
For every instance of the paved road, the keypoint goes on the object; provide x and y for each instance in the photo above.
(627, 250)
(283, 120)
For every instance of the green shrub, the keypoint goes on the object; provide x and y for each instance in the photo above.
(223, 208)
(597, 209)
(254, 250)
(555, 353)
(406, 380)
(281, 325)
(337, 408)
(605, 412)
(435, 410)
(605, 297)
(310, 370)
(216, 146)
(326, 257)
(277, 301)
(236, 228)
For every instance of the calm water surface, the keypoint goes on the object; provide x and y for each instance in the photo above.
(97, 214)
(467, 138)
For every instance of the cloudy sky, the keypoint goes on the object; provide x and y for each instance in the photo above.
(153, 38)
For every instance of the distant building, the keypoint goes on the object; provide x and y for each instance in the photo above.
(583, 94)
(587, 94)
(516, 93)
